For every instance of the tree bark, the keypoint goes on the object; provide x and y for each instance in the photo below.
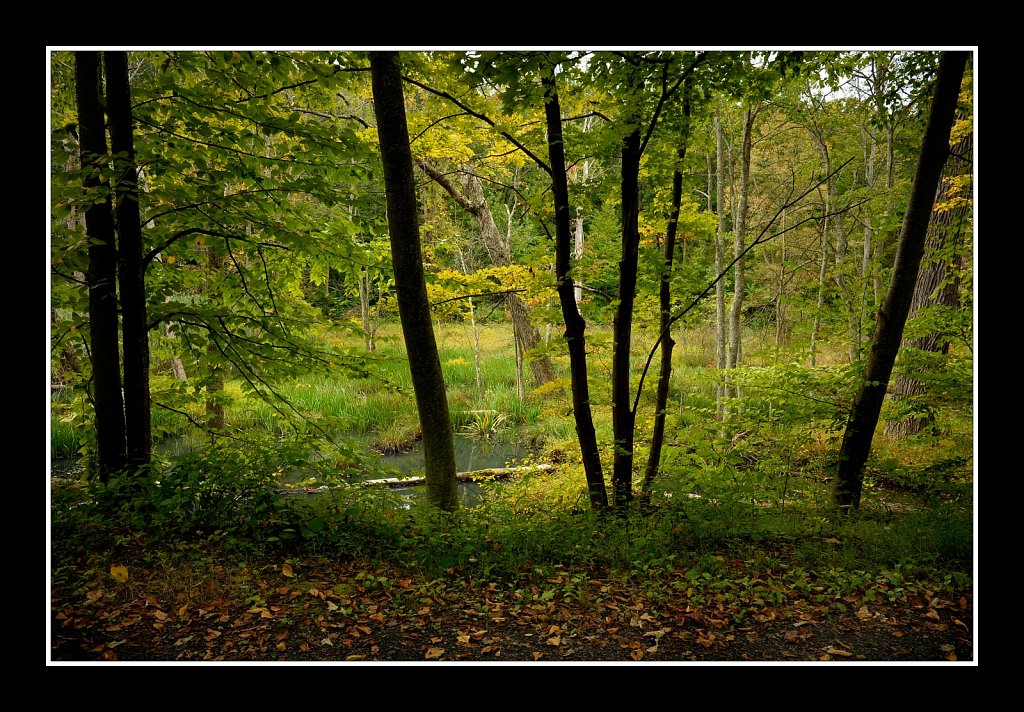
(892, 315)
(410, 285)
(134, 326)
(108, 404)
(575, 326)
(938, 282)
(665, 303)
(623, 416)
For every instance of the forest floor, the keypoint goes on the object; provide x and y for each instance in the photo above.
(328, 611)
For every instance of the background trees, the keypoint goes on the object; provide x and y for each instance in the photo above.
(263, 229)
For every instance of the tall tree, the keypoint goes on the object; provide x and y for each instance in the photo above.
(665, 304)
(575, 326)
(108, 403)
(410, 285)
(132, 275)
(892, 315)
(938, 282)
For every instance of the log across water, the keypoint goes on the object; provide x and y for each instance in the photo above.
(396, 482)
(474, 476)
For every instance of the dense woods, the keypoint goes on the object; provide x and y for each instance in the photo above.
(728, 294)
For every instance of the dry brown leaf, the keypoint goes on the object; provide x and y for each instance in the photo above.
(433, 653)
(554, 640)
(286, 569)
(119, 573)
(932, 613)
(538, 656)
(863, 613)
(837, 651)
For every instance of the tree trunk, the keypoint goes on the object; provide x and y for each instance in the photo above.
(623, 417)
(937, 282)
(733, 353)
(471, 198)
(108, 403)
(410, 285)
(574, 324)
(822, 281)
(665, 303)
(720, 317)
(892, 315)
(134, 326)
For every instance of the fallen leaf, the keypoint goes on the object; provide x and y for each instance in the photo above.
(555, 640)
(932, 613)
(433, 653)
(637, 654)
(538, 656)
(863, 613)
(160, 615)
(286, 569)
(182, 611)
(951, 656)
(355, 657)
(837, 651)
(120, 573)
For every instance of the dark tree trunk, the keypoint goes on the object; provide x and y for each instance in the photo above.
(574, 323)
(892, 315)
(623, 416)
(134, 329)
(102, 273)
(938, 283)
(665, 302)
(413, 305)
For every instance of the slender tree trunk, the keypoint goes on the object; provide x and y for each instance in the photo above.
(733, 353)
(413, 304)
(938, 282)
(134, 323)
(892, 316)
(780, 294)
(720, 315)
(476, 342)
(108, 404)
(822, 281)
(574, 324)
(665, 303)
(623, 416)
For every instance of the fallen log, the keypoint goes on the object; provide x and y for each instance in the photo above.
(473, 476)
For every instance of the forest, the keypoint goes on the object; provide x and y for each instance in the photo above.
(511, 357)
